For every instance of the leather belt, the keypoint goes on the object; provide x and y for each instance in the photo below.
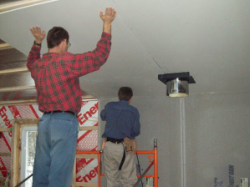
(113, 140)
(60, 111)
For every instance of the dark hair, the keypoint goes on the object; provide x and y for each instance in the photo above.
(125, 93)
(55, 36)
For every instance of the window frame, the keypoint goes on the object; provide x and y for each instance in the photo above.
(16, 151)
(24, 138)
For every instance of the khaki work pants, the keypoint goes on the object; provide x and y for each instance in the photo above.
(126, 177)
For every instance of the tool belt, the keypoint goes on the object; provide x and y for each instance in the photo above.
(60, 111)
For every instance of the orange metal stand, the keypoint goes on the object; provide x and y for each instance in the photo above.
(152, 152)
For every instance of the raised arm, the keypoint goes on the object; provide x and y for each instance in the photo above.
(92, 61)
(35, 50)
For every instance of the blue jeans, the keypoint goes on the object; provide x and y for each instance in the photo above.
(55, 150)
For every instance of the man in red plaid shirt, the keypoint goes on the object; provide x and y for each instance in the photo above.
(56, 76)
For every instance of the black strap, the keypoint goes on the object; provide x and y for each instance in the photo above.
(35, 43)
(123, 157)
(20, 183)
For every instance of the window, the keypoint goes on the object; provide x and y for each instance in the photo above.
(29, 134)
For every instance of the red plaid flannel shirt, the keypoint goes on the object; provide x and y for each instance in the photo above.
(57, 75)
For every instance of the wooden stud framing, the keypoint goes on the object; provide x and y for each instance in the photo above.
(19, 4)
(34, 101)
(16, 88)
(73, 184)
(5, 154)
(2, 179)
(87, 184)
(15, 154)
(14, 70)
(87, 156)
(5, 46)
(16, 103)
(16, 143)
(86, 128)
(5, 129)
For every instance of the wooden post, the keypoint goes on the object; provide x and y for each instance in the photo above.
(15, 154)
(74, 175)
(16, 147)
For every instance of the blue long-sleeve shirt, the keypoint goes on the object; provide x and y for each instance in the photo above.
(122, 120)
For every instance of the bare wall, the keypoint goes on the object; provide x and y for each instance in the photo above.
(217, 134)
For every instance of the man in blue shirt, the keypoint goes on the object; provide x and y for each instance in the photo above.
(122, 126)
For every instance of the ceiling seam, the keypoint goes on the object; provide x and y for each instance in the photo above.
(140, 42)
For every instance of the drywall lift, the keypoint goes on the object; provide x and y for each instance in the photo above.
(153, 159)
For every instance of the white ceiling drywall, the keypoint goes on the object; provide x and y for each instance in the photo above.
(209, 38)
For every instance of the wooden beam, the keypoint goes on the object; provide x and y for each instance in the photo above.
(88, 97)
(5, 129)
(34, 101)
(73, 184)
(16, 88)
(86, 128)
(5, 46)
(14, 70)
(87, 184)
(5, 154)
(3, 179)
(19, 4)
(87, 156)
(15, 154)
(20, 102)
(27, 121)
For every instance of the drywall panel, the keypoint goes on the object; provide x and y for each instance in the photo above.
(217, 134)
(148, 37)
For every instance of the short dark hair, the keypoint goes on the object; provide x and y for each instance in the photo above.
(125, 93)
(56, 35)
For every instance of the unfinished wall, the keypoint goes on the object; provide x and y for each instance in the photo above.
(217, 134)
(217, 138)
(86, 169)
